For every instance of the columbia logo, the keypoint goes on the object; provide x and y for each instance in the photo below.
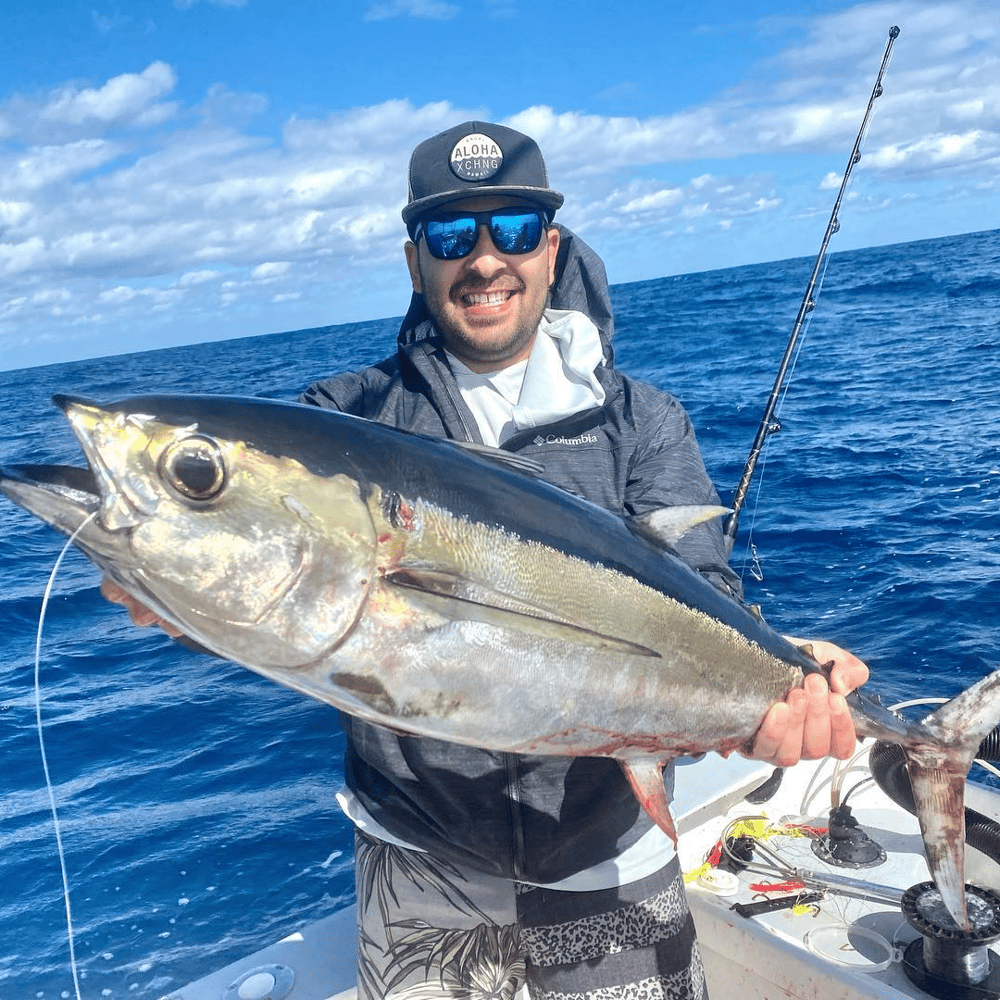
(541, 439)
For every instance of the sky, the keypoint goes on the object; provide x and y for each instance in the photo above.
(180, 171)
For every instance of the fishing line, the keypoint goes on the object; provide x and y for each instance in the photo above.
(45, 763)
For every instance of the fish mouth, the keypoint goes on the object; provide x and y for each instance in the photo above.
(67, 496)
(63, 496)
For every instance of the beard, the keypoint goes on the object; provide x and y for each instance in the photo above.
(482, 341)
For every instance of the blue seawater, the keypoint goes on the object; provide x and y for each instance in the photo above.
(197, 800)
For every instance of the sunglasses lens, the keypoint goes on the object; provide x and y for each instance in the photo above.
(513, 230)
(451, 238)
(516, 231)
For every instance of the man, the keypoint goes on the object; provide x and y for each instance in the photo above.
(478, 871)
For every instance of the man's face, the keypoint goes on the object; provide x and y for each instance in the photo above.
(487, 305)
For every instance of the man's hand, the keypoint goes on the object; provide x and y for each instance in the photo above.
(139, 613)
(814, 720)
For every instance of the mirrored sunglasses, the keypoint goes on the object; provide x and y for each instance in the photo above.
(452, 235)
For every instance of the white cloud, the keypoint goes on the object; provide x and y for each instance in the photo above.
(966, 151)
(50, 295)
(130, 97)
(12, 306)
(190, 278)
(223, 104)
(119, 294)
(13, 212)
(21, 257)
(270, 270)
(41, 166)
(654, 201)
(944, 72)
(434, 10)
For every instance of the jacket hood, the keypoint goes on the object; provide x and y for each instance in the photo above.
(581, 284)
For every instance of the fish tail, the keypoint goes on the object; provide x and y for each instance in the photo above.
(937, 771)
(970, 716)
(937, 778)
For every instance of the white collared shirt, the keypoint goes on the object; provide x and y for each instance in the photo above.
(555, 381)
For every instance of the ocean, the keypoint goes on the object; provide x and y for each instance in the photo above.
(196, 800)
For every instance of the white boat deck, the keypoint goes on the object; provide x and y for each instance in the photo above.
(846, 948)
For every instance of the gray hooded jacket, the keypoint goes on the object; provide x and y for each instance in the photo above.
(532, 818)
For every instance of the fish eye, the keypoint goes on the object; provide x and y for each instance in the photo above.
(194, 467)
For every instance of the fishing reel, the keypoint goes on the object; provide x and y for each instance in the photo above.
(946, 961)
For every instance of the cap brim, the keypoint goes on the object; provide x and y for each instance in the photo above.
(546, 197)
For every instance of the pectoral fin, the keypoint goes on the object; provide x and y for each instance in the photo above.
(665, 525)
(505, 459)
(452, 597)
(645, 775)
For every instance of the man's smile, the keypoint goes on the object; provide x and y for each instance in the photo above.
(487, 298)
(484, 302)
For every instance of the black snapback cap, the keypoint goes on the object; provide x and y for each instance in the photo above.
(473, 160)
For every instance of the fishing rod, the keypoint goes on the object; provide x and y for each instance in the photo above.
(768, 424)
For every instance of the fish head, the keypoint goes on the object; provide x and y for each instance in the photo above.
(236, 542)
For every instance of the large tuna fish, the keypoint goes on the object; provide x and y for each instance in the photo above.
(423, 587)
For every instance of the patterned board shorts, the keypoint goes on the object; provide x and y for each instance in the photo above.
(430, 930)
